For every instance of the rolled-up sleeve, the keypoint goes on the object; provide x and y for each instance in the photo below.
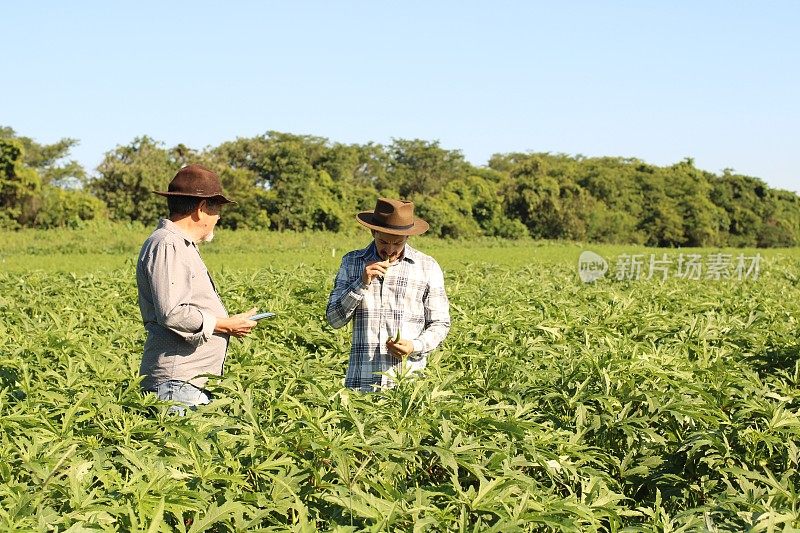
(345, 296)
(171, 278)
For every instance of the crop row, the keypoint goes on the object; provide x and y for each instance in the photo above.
(618, 406)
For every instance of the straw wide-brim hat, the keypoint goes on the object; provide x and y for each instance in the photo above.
(394, 217)
(196, 181)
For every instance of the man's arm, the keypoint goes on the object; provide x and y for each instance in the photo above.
(347, 293)
(171, 287)
(437, 313)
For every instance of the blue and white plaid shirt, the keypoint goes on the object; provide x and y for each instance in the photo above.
(410, 298)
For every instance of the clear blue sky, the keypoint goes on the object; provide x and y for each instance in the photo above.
(718, 81)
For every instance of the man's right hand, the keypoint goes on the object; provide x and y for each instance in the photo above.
(237, 325)
(374, 270)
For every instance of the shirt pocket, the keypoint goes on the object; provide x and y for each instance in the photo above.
(409, 294)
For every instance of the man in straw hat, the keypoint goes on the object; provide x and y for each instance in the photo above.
(187, 325)
(394, 295)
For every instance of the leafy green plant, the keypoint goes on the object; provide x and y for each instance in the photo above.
(553, 405)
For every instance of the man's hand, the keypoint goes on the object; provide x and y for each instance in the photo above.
(374, 270)
(237, 325)
(401, 348)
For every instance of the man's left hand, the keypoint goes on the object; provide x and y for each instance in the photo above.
(401, 348)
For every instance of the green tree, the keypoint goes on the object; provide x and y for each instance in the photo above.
(129, 174)
(420, 167)
(49, 160)
(617, 183)
(604, 224)
(543, 194)
(533, 198)
(703, 222)
(65, 207)
(39, 187)
(741, 198)
(20, 185)
(482, 192)
(661, 220)
(305, 201)
(449, 213)
(356, 169)
(304, 182)
(781, 220)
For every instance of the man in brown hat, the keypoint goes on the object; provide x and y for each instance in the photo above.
(394, 295)
(187, 325)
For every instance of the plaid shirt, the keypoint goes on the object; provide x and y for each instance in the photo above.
(411, 298)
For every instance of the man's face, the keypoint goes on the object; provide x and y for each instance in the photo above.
(210, 214)
(389, 246)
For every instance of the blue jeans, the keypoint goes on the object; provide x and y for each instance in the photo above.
(181, 392)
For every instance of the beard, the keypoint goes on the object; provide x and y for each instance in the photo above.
(208, 237)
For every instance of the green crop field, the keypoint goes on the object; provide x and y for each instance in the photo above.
(622, 405)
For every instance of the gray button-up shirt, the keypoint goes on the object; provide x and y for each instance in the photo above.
(180, 306)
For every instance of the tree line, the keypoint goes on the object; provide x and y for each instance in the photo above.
(284, 181)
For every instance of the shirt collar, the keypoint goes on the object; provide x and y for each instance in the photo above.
(170, 226)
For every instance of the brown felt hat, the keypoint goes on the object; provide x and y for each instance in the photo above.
(394, 217)
(196, 181)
